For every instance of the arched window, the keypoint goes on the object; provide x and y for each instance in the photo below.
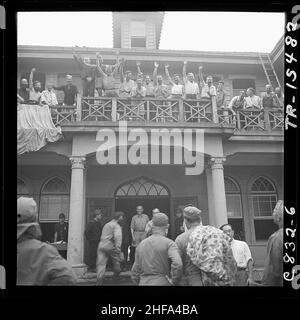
(22, 188)
(234, 208)
(141, 187)
(264, 198)
(54, 200)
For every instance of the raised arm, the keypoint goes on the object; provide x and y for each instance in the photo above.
(155, 73)
(200, 74)
(168, 75)
(184, 70)
(100, 69)
(138, 68)
(31, 78)
(119, 66)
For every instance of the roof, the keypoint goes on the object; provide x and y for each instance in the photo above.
(119, 16)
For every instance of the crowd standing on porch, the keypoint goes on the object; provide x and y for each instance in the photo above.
(201, 255)
(104, 79)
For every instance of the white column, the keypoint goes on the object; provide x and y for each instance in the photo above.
(210, 196)
(76, 215)
(218, 187)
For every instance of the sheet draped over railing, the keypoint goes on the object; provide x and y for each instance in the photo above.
(35, 128)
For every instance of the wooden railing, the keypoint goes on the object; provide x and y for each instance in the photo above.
(253, 119)
(167, 110)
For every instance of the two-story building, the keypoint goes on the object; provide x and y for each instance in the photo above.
(243, 156)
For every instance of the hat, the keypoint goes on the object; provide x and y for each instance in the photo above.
(26, 210)
(69, 77)
(192, 213)
(160, 220)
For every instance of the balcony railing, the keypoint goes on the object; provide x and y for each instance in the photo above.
(167, 110)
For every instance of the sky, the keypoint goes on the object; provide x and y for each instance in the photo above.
(201, 31)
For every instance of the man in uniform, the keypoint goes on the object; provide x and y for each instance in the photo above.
(242, 256)
(38, 263)
(157, 261)
(110, 247)
(191, 273)
(149, 225)
(138, 232)
(93, 235)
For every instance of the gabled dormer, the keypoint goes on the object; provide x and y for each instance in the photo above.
(137, 29)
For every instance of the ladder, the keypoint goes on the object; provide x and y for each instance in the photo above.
(269, 70)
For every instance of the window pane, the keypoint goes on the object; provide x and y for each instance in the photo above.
(52, 205)
(264, 205)
(238, 227)
(55, 185)
(138, 28)
(264, 228)
(233, 205)
(263, 185)
(138, 42)
(230, 186)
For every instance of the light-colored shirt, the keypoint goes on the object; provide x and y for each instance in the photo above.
(241, 253)
(126, 87)
(138, 93)
(253, 102)
(161, 91)
(49, 97)
(192, 274)
(177, 89)
(156, 259)
(279, 100)
(236, 103)
(149, 89)
(191, 87)
(111, 236)
(207, 92)
(34, 95)
(138, 222)
(148, 228)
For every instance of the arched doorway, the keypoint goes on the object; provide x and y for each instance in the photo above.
(142, 191)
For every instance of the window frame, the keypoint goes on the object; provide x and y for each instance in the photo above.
(53, 194)
(251, 206)
(239, 193)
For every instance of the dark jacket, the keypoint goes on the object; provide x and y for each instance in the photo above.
(38, 263)
(93, 231)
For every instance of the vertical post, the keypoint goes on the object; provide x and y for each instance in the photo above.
(181, 110)
(267, 120)
(210, 196)
(218, 187)
(114, 109)
(214, 109)
(76, 216)
(147, 110)
(78, 107)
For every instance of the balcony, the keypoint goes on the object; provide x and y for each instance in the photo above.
(180, 112)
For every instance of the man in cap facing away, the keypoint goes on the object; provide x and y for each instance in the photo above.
(157, 261)
(110, 247)
(191, 273)
(38, 263)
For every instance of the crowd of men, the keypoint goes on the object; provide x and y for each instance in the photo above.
(201, 255)
(104, 79)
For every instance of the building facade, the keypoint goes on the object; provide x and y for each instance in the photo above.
(243, 155)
